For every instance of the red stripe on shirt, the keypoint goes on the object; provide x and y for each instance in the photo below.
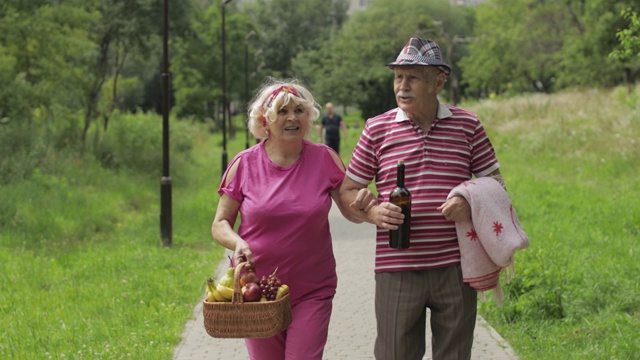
(454, 149)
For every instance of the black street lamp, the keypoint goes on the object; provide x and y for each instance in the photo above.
(165, 182)
(246, 83)
(225, 158)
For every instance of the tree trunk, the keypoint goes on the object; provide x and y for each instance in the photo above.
(99, 79)
(114, 93)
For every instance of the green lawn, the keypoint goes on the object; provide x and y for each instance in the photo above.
(82, 268)
(84, 274)
(571, 163)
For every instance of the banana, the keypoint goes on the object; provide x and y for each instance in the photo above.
(282, 291)
(217, 296)
(225, 292)
(211, 288)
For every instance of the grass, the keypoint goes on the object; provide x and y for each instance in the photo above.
(82, 268)
(84, 274)
(571, 162)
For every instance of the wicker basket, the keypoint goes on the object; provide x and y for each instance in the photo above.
(237, 319)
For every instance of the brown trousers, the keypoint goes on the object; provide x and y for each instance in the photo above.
(401, 303)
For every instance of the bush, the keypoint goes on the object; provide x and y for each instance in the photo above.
(134, 142)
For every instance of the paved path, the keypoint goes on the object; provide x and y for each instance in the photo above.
(352, 329)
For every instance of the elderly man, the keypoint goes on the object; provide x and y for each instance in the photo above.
(441, 146)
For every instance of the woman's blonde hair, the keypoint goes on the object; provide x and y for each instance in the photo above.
(271, 97)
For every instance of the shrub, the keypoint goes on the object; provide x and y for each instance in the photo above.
(134, 142)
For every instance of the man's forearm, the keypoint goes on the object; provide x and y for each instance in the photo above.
(352, 201)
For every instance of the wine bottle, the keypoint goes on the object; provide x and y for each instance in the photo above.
(399, 239)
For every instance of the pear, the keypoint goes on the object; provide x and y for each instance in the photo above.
(282, 291)
(227, 279)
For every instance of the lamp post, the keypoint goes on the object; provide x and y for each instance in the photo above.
(246, 83)
(165, 182)
(224, 91)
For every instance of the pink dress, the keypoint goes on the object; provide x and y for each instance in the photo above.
(284, 219)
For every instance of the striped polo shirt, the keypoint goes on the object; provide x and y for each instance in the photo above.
(455, 148)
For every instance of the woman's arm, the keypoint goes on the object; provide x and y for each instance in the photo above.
(223, 222)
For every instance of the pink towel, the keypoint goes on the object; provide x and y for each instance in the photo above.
(489, 241)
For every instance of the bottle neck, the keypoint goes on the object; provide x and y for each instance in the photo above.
(400, 182)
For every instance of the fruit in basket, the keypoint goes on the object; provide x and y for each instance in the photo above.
(211, 288)
(251, 292)
(227, 279)
(213, 295)
(225, 292)
(282, 291)
(269, 286)
(249, 277)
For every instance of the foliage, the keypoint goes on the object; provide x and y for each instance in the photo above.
(531, 45)
(197, 62)
(350, 69)
(58, 56)
(586, 60)
(628, 49)
(517, 46)
(43, 52)
(288, 27)
(135, 143)
(629, 38)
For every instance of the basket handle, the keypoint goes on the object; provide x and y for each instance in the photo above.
(237, 290)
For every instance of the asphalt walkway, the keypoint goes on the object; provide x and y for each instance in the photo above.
(352, 329)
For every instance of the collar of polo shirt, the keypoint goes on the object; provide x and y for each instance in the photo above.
(443, 113)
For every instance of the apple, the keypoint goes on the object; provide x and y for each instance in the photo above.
(251, 292)
(249, 277)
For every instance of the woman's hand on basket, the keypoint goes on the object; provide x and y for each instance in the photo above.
(243, 253)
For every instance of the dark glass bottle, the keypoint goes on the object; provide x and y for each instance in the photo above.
(399, 239)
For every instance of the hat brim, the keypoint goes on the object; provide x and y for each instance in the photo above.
(445, 68)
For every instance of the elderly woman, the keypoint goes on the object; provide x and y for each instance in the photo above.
(282, 187)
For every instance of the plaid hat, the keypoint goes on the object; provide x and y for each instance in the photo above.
(421, 52)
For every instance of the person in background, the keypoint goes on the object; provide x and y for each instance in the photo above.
(330, 128)
(283, 188)
(442, 146)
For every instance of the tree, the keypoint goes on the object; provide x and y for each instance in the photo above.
(43, 54)
(544, 45)
(350, 69)
(197, 63)
(628, 50)
(585, 54)
(286, 28)
(516, 46)
(125, 26)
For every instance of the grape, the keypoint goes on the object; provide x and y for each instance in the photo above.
(269, 286)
